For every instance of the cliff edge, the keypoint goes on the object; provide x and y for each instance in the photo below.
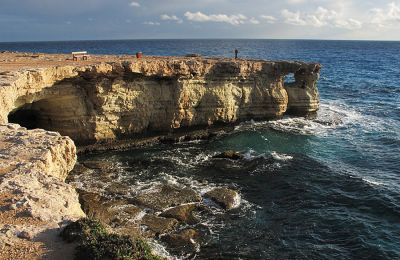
(120, 97)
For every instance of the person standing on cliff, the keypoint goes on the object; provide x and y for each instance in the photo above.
(236, 53)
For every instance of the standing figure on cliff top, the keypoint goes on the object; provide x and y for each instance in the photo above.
(236, 53)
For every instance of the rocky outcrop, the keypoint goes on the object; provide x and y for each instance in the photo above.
(121, 99)
(34, 199)
(118, 99)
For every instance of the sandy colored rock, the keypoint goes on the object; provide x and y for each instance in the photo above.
(34, 198)
(116, 97)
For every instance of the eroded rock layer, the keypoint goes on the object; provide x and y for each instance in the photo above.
(124, 98)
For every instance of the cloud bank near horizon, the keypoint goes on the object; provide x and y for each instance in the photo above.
(122, 19)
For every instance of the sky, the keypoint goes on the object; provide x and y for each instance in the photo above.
(43, 20)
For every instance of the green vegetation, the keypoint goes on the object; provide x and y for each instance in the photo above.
(95, 242)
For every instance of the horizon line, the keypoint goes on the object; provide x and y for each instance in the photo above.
(165, 39)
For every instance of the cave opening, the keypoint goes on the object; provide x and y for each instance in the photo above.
(30, 116)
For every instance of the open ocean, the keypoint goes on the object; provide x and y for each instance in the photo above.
(327, 188)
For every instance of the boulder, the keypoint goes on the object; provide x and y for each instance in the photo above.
(165, 196)
(183, 213)
(105, 210)
(224, 197)
(158, 225)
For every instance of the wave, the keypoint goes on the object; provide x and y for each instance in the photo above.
(281, 156)
(331, 116)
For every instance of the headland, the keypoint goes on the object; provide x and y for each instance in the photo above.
(49, 103)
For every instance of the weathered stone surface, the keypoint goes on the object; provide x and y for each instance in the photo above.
(226, 198)
(233, 155)
(33, 167)
(183, 213)
(107, 211)
(159, 225)
(104, 100)
(165, 196)
(184, 238)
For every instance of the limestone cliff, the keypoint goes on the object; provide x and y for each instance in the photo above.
(123, 98)
(34, 199)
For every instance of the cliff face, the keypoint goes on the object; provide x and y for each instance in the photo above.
(124, 98)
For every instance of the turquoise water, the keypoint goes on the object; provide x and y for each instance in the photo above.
(327, 188)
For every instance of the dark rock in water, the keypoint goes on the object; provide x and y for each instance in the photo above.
(80, 169)
(184, 238)
(117, 188)
(105, 210)
(98, 165)
(233, 155)
(159, 225)
(226, 198)
(166, 196)
(183, 213)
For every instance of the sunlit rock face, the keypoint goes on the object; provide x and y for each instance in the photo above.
(122, 99)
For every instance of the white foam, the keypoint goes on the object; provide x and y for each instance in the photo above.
(372, 182)
(281, 156)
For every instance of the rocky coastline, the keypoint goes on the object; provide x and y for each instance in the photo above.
(118, 102)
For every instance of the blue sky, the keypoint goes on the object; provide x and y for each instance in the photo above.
(33, 20)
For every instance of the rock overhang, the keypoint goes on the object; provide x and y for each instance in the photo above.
(113, 97)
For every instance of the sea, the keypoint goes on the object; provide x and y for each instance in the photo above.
(322, 188)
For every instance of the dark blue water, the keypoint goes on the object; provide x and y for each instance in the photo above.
(320, 189)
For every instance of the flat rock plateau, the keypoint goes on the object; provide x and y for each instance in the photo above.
(49, 103)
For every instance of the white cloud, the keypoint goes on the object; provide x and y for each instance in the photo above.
(167, 17)
(254, 21)
(268, 18)
(319, 18)
(296, 1)
(152, 23)
(386, 17)
(134, 4)
(221, 18)
(293, 18)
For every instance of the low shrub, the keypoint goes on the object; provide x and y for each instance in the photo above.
(95, 242)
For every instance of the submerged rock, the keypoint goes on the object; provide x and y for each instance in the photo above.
(165, 196)
(233, 155)
(183, 213)
(226, 198)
